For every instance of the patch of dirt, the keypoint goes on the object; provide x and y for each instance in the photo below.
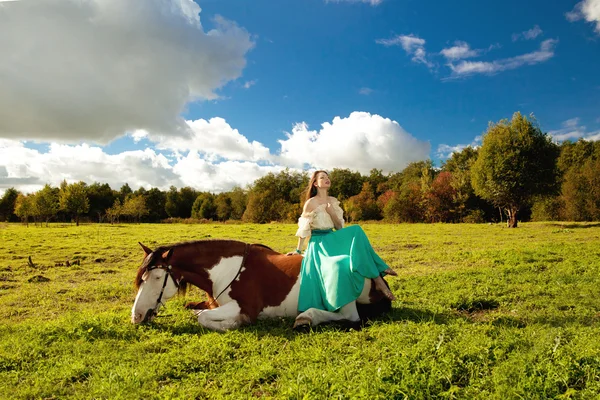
(38, 278)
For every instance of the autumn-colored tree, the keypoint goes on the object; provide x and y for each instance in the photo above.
(440, 199)
(363, 206)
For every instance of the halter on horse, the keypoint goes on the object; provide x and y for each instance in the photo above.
(243, 282)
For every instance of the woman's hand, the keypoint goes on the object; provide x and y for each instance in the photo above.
(293, 253)
(330, 209)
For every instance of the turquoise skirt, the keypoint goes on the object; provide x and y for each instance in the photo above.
(335, 266)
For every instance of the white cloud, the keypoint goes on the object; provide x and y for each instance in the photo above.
(28, 169)
(413, 45)
(371, 2)
(249, 84)
(94, 69)
(360, 142)
(528, 34)
(196, 172)
(365, 91)
(572, 130)
(459, 51)
(588, 10)
(445, 151)
(215, 158)
(465, 68)
(215, 139)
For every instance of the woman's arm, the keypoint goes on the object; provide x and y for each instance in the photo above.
(306, 209)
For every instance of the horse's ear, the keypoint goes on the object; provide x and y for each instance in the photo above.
(146, 249)
(167, 254)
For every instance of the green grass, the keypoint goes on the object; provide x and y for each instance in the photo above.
(483, 312)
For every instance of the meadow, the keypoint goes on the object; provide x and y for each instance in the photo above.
(482, 312)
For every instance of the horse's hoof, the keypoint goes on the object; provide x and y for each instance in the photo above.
(302, 325)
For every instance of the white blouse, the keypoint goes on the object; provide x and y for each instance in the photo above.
(319, 218)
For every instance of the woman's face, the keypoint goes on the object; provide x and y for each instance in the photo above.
(322, 181)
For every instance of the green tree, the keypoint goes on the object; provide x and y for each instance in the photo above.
(345, 183)
(7, 205)
(73, 199)
(24, 207)
(46, 203)
(114, 213)
(156, 201)
(172, 202)
(101, 197)
(239, 200)
(515, 163)
(271, 197)
(124, 192)
(135, 207)
(223, 206)
(204, 207)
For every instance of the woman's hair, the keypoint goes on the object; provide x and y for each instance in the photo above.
(311, 190)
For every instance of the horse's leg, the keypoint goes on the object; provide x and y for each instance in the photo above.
(222, 318)
(314, 316)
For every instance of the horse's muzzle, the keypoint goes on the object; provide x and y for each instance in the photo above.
(136, 318)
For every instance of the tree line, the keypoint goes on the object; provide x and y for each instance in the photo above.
(517, 173)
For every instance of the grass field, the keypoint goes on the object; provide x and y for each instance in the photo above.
(483, 312)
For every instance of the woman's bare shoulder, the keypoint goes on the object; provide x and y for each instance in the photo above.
(310, 204)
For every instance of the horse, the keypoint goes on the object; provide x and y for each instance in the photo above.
(243, 282)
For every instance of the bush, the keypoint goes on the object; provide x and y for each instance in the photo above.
(474, 217)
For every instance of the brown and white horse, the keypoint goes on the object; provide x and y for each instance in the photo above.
(243, 282)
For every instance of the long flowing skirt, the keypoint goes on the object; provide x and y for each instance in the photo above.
(334, 268)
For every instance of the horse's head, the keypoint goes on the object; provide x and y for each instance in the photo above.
(156, 283)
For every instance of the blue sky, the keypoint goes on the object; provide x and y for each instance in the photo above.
(215, 94)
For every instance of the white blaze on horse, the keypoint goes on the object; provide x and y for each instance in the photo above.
(243, 282)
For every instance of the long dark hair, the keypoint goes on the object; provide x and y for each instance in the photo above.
(311, 190)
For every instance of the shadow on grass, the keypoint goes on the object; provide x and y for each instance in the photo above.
(283, 327)
(576, 225)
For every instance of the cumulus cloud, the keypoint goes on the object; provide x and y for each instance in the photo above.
(359, 142)
(571, 129)
(365, 91)
(464, 68)
(94, 69)
(29, 169)
(215, 158)
(413, 45)
(196, 172)
(588, 10)
(214, 139)
(445, 151)
(528, 34)
(459, 51)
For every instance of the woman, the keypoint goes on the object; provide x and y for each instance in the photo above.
(335, 263)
